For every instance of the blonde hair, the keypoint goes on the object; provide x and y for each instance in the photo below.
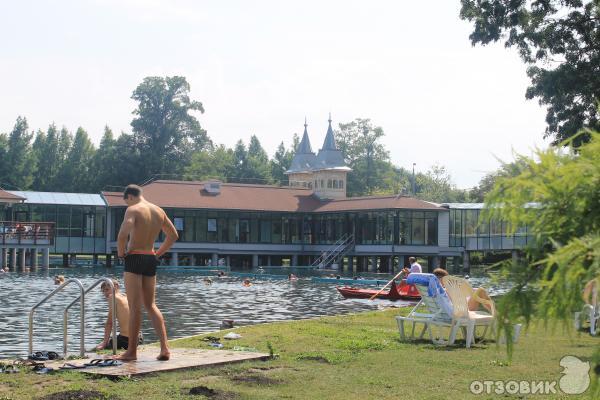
(115, 283)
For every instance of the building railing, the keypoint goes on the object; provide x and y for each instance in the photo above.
(14, 232)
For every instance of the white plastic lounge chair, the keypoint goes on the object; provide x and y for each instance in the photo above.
(459, 290)
(435, 299)
(591, 310)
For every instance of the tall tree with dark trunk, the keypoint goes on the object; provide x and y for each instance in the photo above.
(560, 41)
(165, 130)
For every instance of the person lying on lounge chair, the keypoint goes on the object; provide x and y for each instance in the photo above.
(590, 292)
(479, 297)
(122, 319)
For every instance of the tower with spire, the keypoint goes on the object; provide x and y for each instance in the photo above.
(326, 173)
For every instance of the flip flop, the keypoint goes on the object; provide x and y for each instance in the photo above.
(42, 369)
(71, 366)
(38, 356)
(94, 362)
(44, 356)
(109, 363)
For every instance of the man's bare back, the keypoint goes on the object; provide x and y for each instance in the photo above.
(148, 220)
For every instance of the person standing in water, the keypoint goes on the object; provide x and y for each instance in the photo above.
(142, 224)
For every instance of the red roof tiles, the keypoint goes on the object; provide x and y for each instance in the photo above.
(6, 197)
(237, 196)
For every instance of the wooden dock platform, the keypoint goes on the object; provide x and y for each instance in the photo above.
(180, 359)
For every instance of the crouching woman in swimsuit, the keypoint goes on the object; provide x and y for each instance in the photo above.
(141, 226)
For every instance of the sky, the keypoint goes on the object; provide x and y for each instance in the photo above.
(260, 67)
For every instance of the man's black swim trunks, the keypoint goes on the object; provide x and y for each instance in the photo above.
(141, 264)
(122, 342)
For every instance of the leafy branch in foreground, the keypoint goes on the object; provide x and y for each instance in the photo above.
(557, 197)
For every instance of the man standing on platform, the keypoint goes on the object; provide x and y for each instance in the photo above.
(142, 224)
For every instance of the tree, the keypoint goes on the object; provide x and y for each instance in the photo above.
(164, 129)
(486, 184)
(281, 162)
(258, 168)
(436, 185)
(213, 163)
(556, 197)
(359, 143)
(559, 40)
(75, 174)
(38, 149)
(4, 169)
(104, 161)
(20, 158)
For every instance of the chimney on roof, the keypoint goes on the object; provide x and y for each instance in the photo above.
(212, 187)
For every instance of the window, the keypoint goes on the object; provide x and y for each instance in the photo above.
(335, 184)
(265, 229)
(328, 183)
(212, 225)
(211, 229)
(341, 184)
(322, 183)
(244, 234)
(76, 226)
(89, 219)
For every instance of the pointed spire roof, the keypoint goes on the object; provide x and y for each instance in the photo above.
(329, 143)
(304, 146)
(304, 160)
(329, 156)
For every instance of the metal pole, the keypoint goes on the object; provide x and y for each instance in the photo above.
(414, 184)
(82, 327)
(114, 318)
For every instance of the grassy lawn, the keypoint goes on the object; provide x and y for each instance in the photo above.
(345, 357)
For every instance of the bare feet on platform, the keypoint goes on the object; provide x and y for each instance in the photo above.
(126, 357)
(164, 355)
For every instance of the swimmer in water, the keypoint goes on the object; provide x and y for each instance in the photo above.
(208, 281)
(246, 283)
(59, 279)
(292, 277)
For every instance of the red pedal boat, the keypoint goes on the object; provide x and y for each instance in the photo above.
(403, 291)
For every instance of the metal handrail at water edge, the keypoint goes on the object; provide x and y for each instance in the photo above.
(15, 232)
(80, 299)
(345, 247)
(81, 312)
(341, 242)
(114, 312)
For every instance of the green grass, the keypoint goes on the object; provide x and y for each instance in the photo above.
(342, 357)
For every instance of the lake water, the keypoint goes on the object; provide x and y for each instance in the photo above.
(187, 303)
